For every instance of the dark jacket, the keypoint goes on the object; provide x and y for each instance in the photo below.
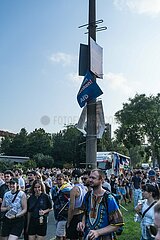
(35, 204)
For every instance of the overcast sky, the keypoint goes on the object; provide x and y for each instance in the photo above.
(39, 47)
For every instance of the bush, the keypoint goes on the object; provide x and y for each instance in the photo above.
(43, 160)
(29, 165)
(5, 165)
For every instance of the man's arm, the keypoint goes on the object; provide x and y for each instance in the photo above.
(93, 234)
(73, 195)
(81, 225)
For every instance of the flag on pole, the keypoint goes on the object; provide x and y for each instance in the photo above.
(89, 90)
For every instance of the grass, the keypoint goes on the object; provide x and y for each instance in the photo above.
(131, 229)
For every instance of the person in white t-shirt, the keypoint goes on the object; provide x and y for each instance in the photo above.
(156, 226)
(15, 205)
(21, 181)
(149, 194)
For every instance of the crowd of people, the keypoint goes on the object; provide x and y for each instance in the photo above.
(85, 203)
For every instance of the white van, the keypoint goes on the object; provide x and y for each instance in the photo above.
(112, 162)
(145, 165)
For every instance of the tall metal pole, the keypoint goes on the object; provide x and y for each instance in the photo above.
(91, 138)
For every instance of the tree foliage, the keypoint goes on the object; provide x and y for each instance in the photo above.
(42, 160)
(140, 118)
(67, 147)
(5, 145)
(24, 144)
(105, 143)
(63, 148)
(39, 142)
(19, 143)
(4, 165)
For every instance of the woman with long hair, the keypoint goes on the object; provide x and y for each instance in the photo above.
(39, 205)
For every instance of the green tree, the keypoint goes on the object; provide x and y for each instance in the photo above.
(136, 156)
(39, 142)
(5, 145)
(57, 149)
(105, 143)
(19, 144)
(5, 165)
(67, 147)
(76, 145)
(138, 119)
(30, 164)
(42, 160)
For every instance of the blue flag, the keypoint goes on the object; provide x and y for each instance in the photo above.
(89, 90)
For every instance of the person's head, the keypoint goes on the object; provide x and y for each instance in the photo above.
(13, 184)
(85, 178)
(18, 172)
(8, 174)
(76, 175)
(96, 178)
(130, 174)
(152, 175)
(138, 173)
(2, 175)
(31, 176)
(38, 175)
(37, 187)
(67, 175)
(112, 176)
(46, 174)
(60, 179)
(149, 190)
(156, 169)
(157, 174)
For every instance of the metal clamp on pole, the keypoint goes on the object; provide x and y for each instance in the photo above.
(92, 23)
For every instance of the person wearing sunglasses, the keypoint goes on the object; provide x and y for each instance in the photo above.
(85, 179)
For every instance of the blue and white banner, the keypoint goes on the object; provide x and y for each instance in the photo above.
(89, 90)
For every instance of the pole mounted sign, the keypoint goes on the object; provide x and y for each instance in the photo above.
(96, 59)
(89, 90)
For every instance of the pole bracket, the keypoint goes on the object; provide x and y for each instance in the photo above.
(94, 23)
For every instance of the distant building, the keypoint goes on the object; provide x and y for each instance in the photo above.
(13, 159)
(6, 133)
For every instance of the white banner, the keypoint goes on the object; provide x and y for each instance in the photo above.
(81, 125)
(96, 59)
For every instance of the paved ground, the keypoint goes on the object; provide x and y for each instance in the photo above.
(51, 227)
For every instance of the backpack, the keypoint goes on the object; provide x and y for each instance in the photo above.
(61, 204)
(105, 203)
